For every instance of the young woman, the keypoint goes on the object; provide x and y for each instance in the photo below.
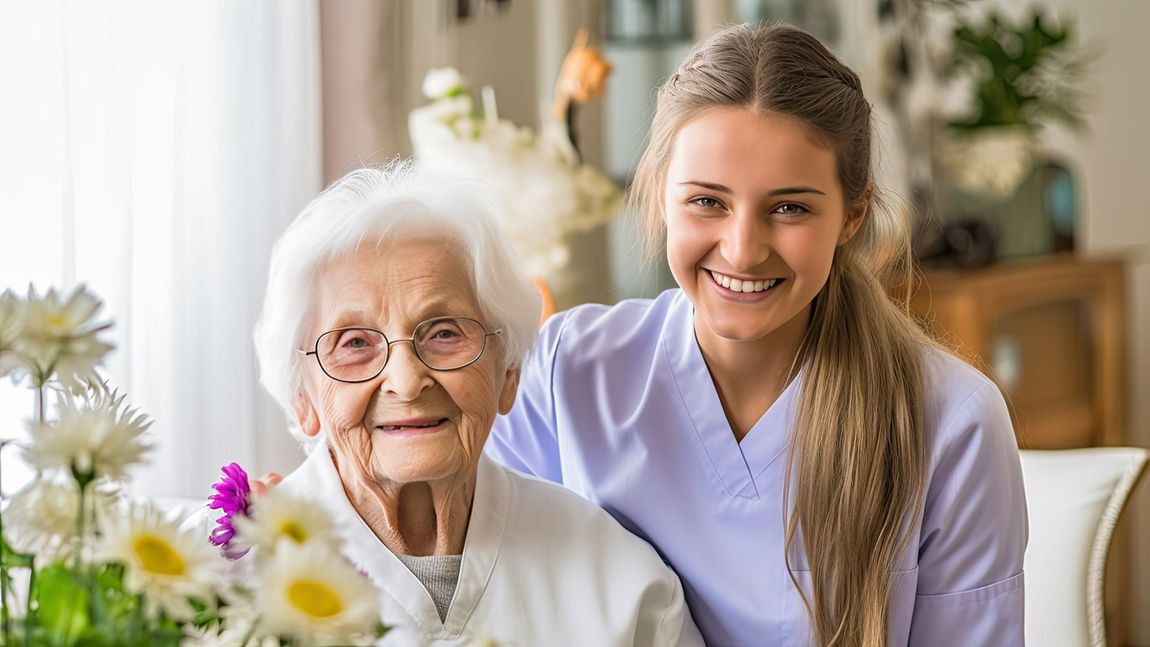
(813, 466)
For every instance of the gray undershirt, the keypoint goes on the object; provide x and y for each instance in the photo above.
(439, 574)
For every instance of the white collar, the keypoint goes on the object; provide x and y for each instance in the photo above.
(480, 549)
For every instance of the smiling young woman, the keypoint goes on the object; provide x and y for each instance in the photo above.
(752, 201)
(816, 469)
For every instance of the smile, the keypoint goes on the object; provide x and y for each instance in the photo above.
(744, 286)
(412, 427)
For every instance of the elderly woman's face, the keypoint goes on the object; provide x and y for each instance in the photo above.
(410, 423)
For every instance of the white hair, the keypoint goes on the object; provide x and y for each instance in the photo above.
(382, 206)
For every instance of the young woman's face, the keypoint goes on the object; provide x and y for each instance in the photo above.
(754, 213)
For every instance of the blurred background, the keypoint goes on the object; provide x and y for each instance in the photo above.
(155, 151)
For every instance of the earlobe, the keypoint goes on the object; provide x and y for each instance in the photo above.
(507, 394)
(306, 416)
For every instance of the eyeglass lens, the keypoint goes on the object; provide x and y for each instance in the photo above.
(443, 343)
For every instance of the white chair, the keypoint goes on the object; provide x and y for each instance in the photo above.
(1074, 498)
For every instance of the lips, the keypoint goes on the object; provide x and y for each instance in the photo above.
(745, 289)
(412, 425)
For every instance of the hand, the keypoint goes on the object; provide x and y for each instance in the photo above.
(261, 486)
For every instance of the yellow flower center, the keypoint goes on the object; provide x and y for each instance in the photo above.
(314, 598)
(58, 320)
(293, 531)
(156, 555)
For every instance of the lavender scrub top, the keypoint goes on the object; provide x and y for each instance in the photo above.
(616, 403)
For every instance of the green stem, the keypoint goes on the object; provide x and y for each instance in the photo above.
(28, 610)
(5, 615)
(40, 404)
(138, 617)
(78, 543)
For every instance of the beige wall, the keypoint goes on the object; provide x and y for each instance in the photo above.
(358, 88)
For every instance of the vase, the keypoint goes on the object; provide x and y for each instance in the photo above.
(994, 176)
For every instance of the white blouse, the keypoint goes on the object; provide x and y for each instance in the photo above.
(541, 566)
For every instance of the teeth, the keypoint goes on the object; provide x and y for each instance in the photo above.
(738, 285)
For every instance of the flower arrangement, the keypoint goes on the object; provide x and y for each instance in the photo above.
(82, 563)
(975, 88)
(548, 192)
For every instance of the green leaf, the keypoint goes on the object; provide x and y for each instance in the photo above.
(61, 604)
(112, 607)
(14, 559)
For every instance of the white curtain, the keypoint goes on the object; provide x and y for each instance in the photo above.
(154, 151)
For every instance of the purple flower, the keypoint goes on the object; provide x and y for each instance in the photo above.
(233, 496)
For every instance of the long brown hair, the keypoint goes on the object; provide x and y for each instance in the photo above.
(858, 452)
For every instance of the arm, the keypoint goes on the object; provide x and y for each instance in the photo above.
(677, 627)
(525, 439)
(974, 530)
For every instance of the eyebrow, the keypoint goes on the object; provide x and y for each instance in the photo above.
(349, 318)
(359, 318)
(789, 190)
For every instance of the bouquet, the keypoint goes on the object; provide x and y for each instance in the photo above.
(82, 563)
(548, 193)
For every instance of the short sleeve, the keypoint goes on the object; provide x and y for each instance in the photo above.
(525, 439)
(974, 531)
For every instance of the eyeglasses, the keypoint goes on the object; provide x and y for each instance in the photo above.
(358, 354)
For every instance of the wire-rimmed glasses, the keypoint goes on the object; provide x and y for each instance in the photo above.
(359, 353)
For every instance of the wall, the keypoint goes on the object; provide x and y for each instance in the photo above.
(358, 88)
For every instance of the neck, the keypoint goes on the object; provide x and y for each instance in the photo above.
(422, 518)
(750, 375)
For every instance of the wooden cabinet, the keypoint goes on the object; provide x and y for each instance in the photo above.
(1051, 330)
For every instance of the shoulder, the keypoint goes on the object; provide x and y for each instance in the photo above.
(554, 535)
(315, 477)
(961, 402)
(598, 330)
(568, 510)
(580, 529)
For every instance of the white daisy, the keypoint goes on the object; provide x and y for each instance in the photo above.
(278, 516)
(237, 622)
(95, 437)
(311, 594)
(11, 323)
(41, 519)
(225, 635)
(59, 337)
(164, 563)
(442, 82)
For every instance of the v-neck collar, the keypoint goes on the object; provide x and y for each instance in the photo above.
(480, 550)
(737, 463)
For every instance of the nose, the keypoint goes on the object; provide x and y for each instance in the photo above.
(746, 240)
(404, 377)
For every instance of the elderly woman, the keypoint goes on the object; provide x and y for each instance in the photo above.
(395, 320)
